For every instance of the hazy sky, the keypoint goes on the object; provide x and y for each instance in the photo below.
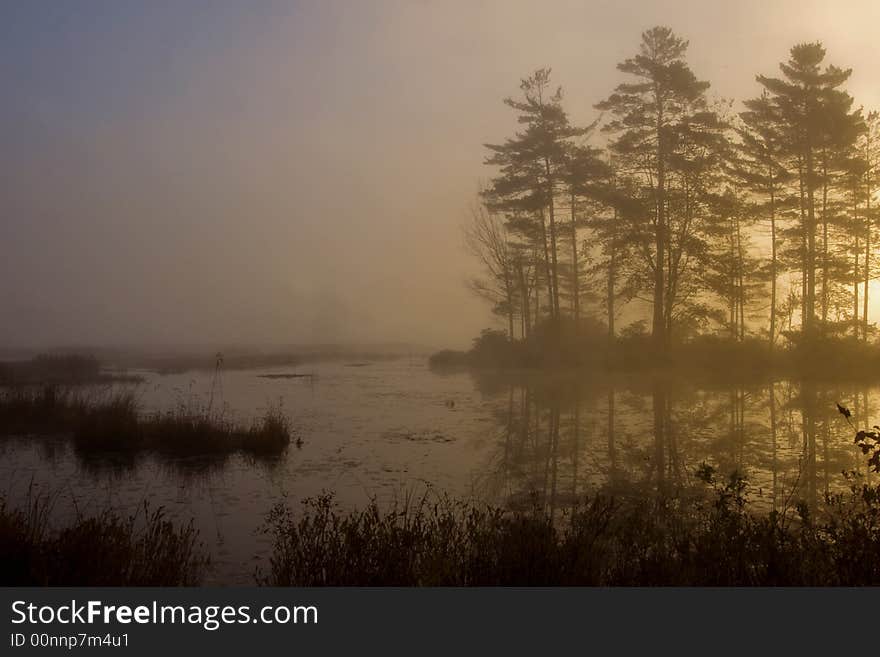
(180, 171)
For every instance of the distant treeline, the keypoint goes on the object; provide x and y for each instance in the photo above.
(83, 366)
(251, 361)
(751, 221)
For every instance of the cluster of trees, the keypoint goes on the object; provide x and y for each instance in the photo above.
(751, 222)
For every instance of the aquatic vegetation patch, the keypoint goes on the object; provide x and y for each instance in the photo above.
(114, 423)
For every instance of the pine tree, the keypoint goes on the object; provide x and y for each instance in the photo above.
(532, 169)
(814, 114)
(652, 118)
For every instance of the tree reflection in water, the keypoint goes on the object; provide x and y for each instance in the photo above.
(559, 438)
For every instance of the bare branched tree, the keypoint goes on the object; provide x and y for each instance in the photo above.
(486, 238)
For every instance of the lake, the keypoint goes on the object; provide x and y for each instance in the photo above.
(387, 427)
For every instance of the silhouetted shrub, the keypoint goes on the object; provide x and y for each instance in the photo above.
(448, 359)
(492, 348)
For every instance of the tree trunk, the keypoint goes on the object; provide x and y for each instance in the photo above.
(524, 299)
(856, 278)
(547, 264)
(658, 328)
(537, 302)
(732, 296)
(612, 275)
(553, 250)
(824, 240)
(810, 303)
(508, 291)
(773, 263)
(803, 209)
(867, 251)
(575, 292)
(740, 257)
(856, 282)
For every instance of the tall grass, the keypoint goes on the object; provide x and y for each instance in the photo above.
(711, 540)
(102, 550)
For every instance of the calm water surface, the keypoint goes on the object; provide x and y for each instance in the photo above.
(382, 428)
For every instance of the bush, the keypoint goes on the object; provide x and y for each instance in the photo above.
(448, 359)
(492, 348)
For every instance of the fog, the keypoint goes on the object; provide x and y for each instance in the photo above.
(277, 172)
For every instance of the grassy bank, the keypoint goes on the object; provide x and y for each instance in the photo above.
(101, 550)
(703, 357)
(710, 540)
(113, 423)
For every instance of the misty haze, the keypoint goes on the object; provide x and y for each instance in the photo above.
(440, 293)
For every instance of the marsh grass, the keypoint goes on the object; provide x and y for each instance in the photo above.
(711, 540)
(113, 424)
(144, 549)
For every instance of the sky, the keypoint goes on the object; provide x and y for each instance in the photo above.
(266, 172)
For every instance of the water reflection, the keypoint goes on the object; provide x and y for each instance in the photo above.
(394, 427)
(560, 438)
